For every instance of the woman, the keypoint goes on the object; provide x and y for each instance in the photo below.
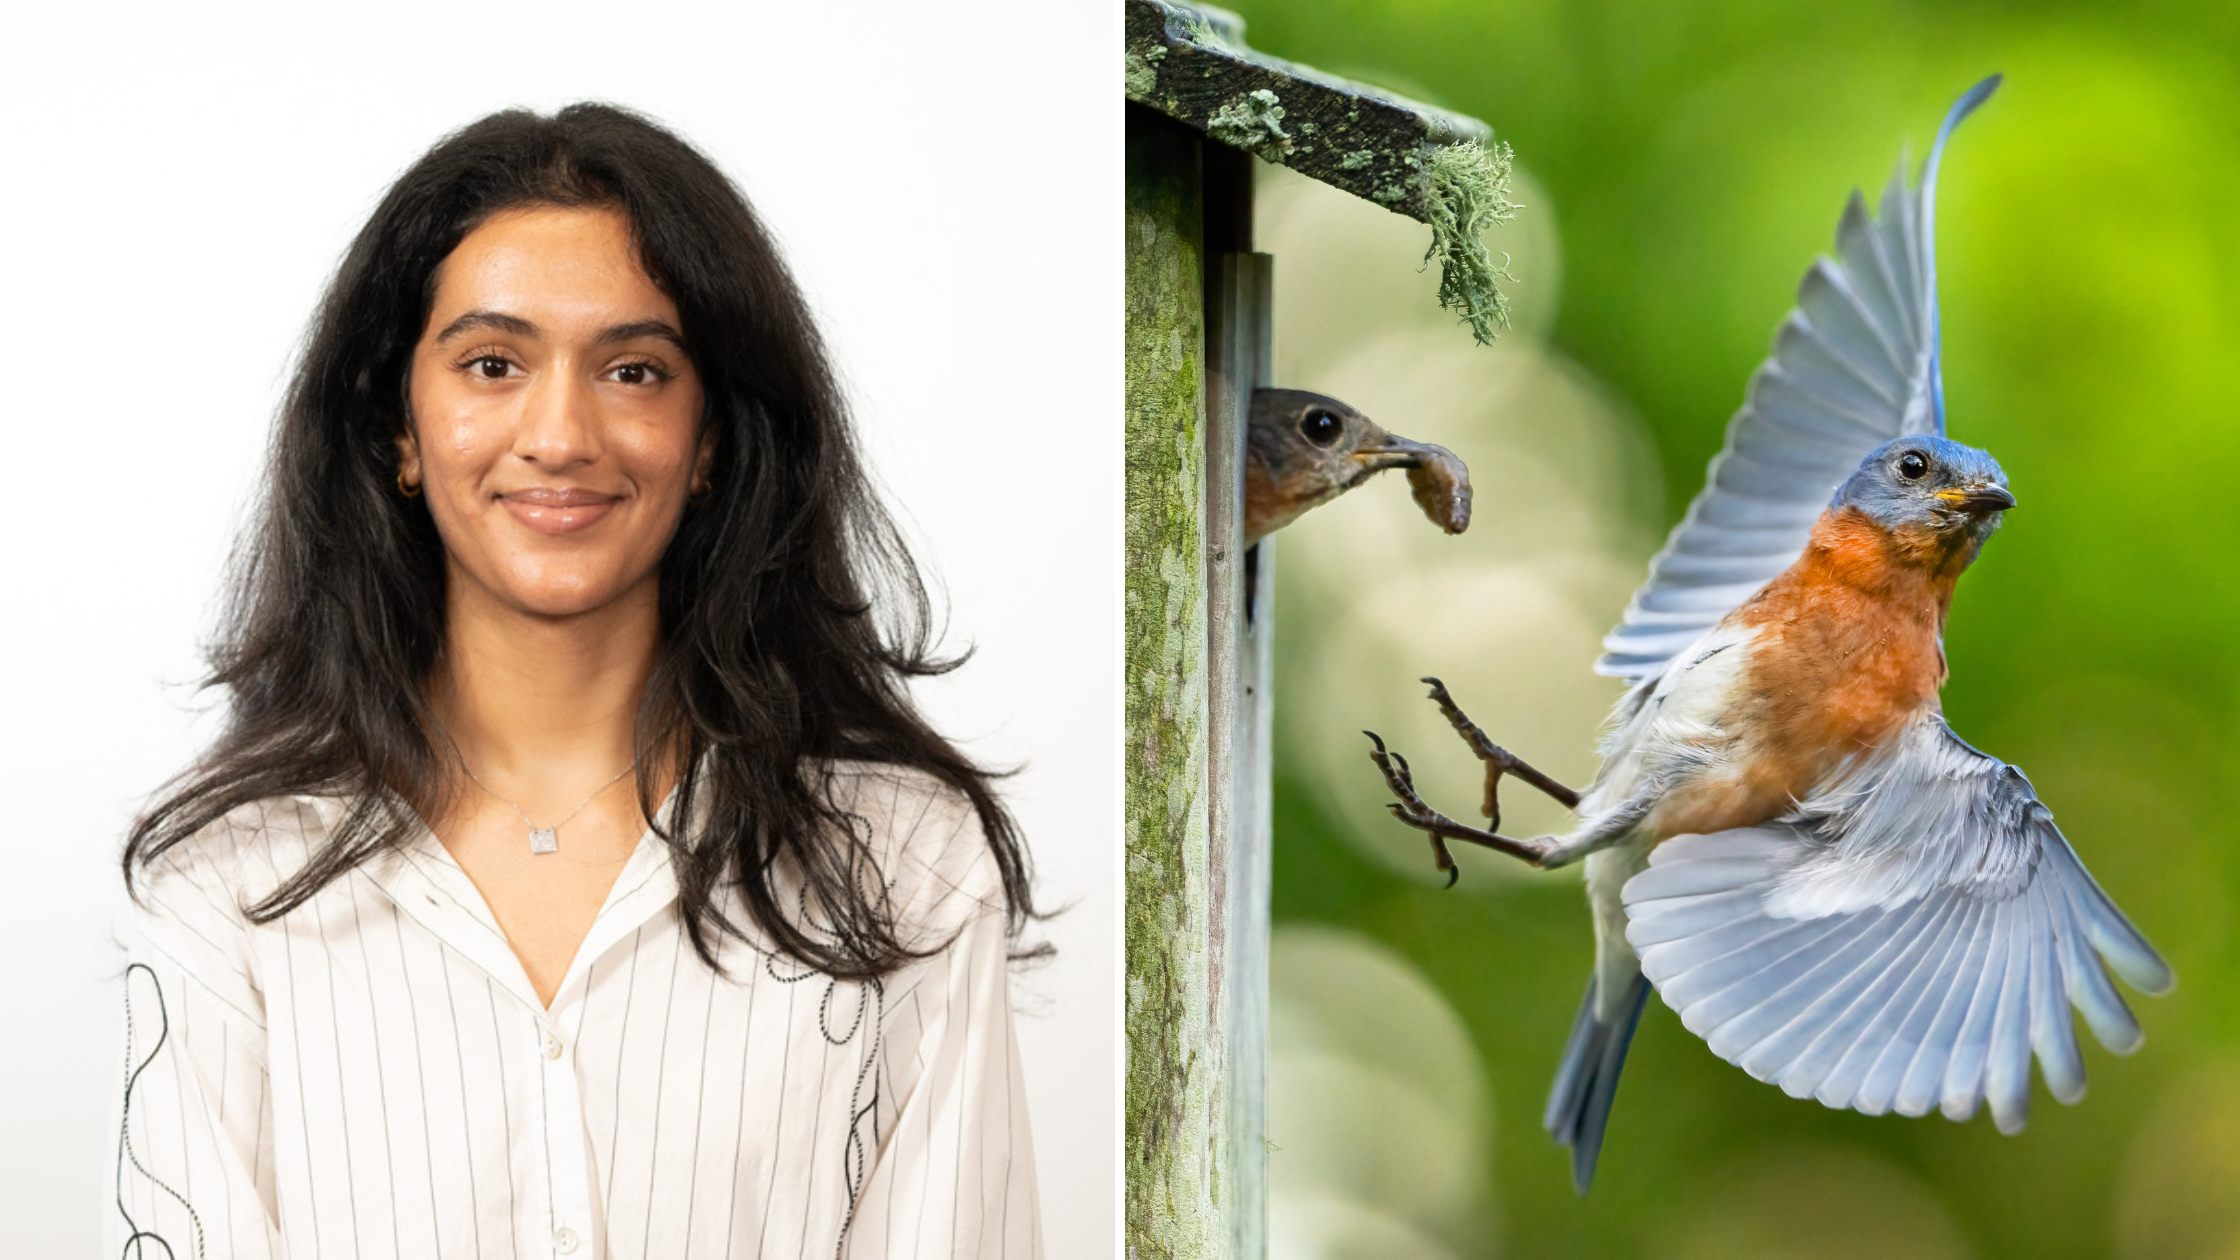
(573, 875)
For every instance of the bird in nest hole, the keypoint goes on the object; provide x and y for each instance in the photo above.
(1302, 450)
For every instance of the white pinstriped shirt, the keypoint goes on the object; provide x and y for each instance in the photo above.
(372, 1075)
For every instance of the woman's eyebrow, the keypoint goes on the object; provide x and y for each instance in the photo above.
(514, 325)
(643, 328)
(497, 321)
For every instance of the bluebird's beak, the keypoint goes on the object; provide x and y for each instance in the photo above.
(1394, 452)
(1979, 499)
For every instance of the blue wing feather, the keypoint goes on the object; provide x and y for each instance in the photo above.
(1928, 1003)
(1961, 108)
(1881, 1015)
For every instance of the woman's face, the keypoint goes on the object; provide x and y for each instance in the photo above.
(555, 418)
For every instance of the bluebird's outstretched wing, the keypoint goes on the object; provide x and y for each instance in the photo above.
(1903, 941)
(1853, 366)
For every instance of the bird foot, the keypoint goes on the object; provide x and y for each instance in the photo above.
(1498, 760)
(1411, 809)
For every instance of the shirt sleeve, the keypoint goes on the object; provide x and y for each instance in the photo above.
(193, 1119)
(954, 1170)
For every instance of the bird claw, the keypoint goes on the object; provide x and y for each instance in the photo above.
(1411, 809)
(1498, 760)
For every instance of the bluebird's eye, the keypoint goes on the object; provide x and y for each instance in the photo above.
(1913, 465)
(1320, 427)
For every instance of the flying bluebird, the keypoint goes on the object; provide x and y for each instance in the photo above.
(1303, 450)
(1829, 886)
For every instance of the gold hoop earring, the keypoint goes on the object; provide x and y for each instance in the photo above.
(406, 488)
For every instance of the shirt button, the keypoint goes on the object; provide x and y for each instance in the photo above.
(435, 898)
(552, 1049)
(564, 1239)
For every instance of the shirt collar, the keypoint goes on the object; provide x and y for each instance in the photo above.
(428, 886)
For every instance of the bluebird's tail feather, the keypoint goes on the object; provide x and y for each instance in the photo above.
(1579, 1104)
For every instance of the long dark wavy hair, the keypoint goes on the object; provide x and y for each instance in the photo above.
(792, 616)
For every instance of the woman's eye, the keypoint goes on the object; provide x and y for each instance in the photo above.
(1913, 466)
(1321, 428)
(490, 367)
(639, 374)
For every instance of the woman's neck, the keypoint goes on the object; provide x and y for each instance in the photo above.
(545, 706)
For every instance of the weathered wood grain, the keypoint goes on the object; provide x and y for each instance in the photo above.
(1174, 1136)
(1241, 307)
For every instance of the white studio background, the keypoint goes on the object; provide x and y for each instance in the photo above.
(178, 184)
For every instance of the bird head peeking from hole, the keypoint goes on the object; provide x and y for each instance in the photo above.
(1303, 450)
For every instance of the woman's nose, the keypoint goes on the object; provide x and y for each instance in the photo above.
(559, 421)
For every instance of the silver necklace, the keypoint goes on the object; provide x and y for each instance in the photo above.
(543, 839)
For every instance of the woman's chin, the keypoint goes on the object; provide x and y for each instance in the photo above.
(559, 596)
(569, 601)
(560, 607)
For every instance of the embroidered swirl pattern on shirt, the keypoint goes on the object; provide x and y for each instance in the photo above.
(138, 1241)
(856, 1154)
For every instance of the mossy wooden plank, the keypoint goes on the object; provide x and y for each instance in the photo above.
(1190, 62)
(1175, 1134)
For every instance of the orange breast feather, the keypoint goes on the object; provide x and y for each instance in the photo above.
(1849, 646)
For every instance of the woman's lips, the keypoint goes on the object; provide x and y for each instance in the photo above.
(557, 511)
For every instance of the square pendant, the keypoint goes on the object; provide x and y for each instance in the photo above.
(544, 840)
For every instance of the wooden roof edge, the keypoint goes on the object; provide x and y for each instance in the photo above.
(1191, 63)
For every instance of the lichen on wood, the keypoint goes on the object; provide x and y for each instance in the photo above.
(1468, 193)
(1172, 1169)
(1252, 122)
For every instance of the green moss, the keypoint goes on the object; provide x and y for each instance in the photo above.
(1466, 193)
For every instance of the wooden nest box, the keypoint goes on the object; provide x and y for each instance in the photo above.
(1198, 611)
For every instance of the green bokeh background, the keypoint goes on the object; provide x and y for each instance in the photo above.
(2090, 253)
